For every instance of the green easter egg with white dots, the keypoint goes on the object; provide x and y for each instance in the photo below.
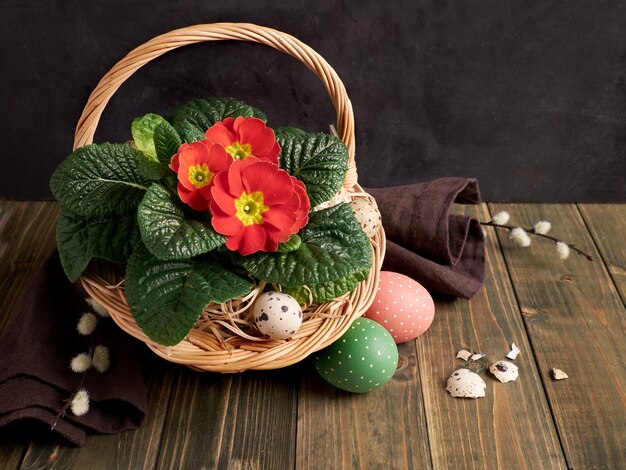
(363, 359)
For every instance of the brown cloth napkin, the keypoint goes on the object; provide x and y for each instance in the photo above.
(443, 252)
(35, 352)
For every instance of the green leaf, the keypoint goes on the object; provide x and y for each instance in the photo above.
(167, 233)
(320, 161)
(157, 141)
(190, 132)
(291, 131)
(151, 170)
(202, 114)
(99, 180)
(333, 246)
(326, 291)
(142, 129)
(292, 244)
(171, 183)
(166, 142)
(167, 297)
(80, 239)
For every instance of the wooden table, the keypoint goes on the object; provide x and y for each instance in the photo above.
(566, 314)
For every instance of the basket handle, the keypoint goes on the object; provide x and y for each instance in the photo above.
(108, 85)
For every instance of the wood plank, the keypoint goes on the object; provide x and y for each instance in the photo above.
(132, 450)
(25, 241)
(607, 224)
(27, 237)
(576, 322)
(231, 421)
(512, 426)
(12, 447)
(385, 428)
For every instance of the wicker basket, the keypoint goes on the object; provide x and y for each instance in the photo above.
(205, 347)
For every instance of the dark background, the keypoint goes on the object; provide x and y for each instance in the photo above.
(529, 97)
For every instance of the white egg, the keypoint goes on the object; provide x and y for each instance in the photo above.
(463, 383)
(277, 315)
(367, 214)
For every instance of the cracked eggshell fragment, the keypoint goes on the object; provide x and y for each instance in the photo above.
(513, 352)
(558, 374)
(463, 383)
(463, 354)
(504, 371)
(477, 356)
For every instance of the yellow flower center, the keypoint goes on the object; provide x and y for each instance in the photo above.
(239, 151)
(200, 175)
(250, 208)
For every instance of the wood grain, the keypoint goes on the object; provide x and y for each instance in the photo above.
(576, 322)
(25, 241)
(12, 448)
(244, 421)
(381, 429)
(512, 426)
(607, 224)
(26, 238)
(128, 450)
(565, 314)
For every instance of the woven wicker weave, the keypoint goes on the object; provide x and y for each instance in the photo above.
(212, 346)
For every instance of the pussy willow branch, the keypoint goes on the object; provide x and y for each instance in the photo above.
(532, 232)
(68, 401)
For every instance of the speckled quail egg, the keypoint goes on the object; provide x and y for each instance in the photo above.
(367, 214)
(504, 371)
(463, 383)
(276, 315)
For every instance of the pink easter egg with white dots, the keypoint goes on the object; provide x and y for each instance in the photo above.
(402, 306)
